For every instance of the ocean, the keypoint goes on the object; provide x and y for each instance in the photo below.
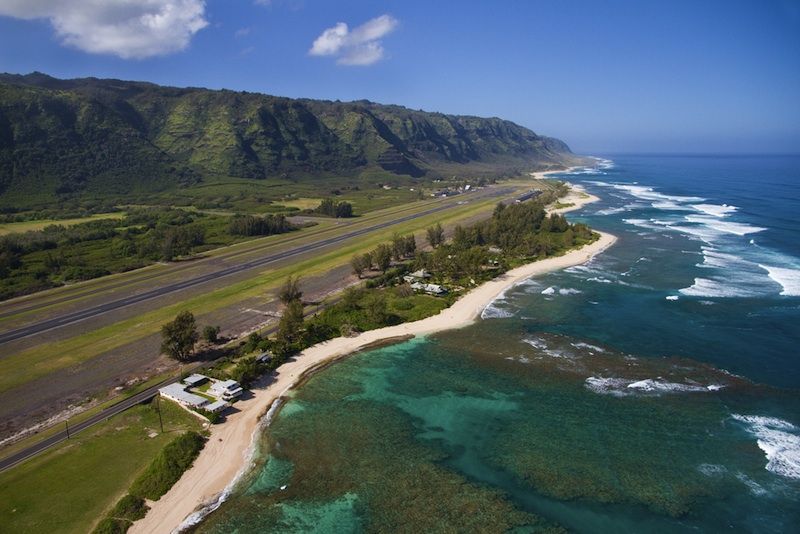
(654, 389)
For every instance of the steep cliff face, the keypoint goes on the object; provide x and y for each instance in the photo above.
(111, 136)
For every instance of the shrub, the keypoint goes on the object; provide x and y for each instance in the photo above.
(110, 525)
(129, 507)
(168, 466)
(211, 334)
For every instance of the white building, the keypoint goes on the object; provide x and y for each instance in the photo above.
(195, 380)
(216, 406)
(177, 393)
(225, 389)
(434, 289)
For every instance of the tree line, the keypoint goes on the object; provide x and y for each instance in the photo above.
(332, 208)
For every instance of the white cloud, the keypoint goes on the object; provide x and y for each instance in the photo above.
(125, 28)
(359, 46)
(242, 32)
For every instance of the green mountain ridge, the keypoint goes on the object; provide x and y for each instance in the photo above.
(62, 139)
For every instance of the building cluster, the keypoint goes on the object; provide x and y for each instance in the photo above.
(418, 281)
(193, 393)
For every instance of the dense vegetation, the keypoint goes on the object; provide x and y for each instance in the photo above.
(331, 208)
(165, 470)
(62, 140)
(515, 234)
(250, 225)
(168, 466)
(58, 254)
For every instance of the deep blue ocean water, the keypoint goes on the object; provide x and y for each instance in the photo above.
(654, 389)
(707, 265)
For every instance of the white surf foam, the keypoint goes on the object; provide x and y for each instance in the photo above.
(779, 440)
(657, 386)
(648, 193)
(623, 387)
(542, 345)
(728, 227)
(587, 346)
(548, 291)
(668, 205)
(493, 312)
(611, 211)
(671, 297)
(249, 456)
(789, 279)
(568, 291)
(716, 210)
(754, 487)
(708, 287)
(607, 386)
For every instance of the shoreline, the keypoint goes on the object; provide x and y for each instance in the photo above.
(228, 454)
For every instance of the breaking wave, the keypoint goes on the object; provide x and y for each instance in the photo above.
(779, 440)
(623, 387)
(788, 279)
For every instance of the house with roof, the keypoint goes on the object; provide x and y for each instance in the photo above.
(221, 390)
(177, 392)
(225, 389)
(416, 276)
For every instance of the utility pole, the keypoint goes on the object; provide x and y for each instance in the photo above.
(160, 421)
(67, 423)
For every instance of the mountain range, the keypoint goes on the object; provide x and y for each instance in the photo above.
(104, 137)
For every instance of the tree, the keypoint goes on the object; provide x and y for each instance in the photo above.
(410, 245)
(375, 308)
(435, 235)
(398, 246)
(290, 290)
(351, 298)
(461, 239)
(211, 333)
(335, 209)
(179, 337)
(344, 210)
(291, 324)
(358, 264)
(383, 257)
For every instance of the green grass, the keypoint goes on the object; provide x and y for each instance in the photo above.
(301, 203)
(31, 226)
(70, 487)
(8, 450)
(39, 361)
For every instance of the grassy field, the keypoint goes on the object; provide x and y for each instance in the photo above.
(16, 446)
(31, 226)
(39, 361)
(301, 203)
(68, 488)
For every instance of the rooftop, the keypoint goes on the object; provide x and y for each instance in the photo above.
(194, 379)
(176, 392)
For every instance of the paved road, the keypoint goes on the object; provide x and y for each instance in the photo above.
(46, 443)
(130, 402)
(81, 315)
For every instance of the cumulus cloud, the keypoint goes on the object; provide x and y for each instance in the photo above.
(359, 46)
(125, 28)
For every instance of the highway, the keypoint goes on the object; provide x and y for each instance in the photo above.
(124, 404)
(70, 318)
(81, 315)
(60, 436)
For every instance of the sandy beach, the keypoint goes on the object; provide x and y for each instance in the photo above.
(227, 452)
(577, 195)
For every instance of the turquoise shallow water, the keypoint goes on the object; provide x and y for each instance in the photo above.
(652, 390)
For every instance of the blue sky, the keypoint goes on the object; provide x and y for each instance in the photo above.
(605, 76)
